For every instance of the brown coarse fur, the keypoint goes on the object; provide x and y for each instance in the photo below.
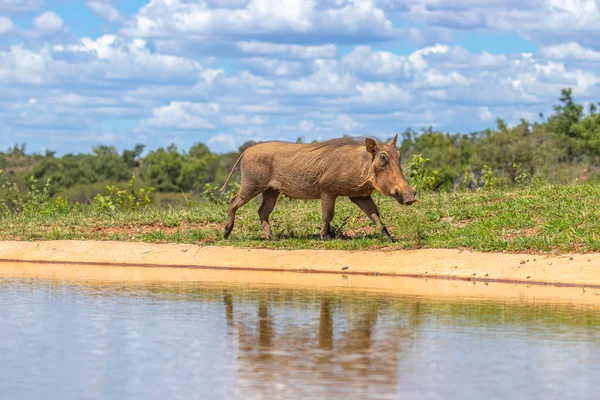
(351, 167)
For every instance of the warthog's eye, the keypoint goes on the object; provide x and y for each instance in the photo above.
(383, 158)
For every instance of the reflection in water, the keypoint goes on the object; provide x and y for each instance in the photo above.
(325, 326)
(307, 353)
(218, 340)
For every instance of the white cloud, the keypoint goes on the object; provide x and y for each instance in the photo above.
(48, 22)
(570, 51)
(104, 10)
(6, 25)
(382, 93)
(306, 125)
(115, 59)
(183, 115)
(325, 80)
(287, 50)
(346, 123)
(435, 79)
(239, 70)
(485, 114)
(222, 142)
(546, 21)
(452, 65)
(579, 8)
(297, 21)
(270, 66)
(20, 6)
(21, 65)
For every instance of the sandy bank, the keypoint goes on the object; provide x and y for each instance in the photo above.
(434, 289)
(574, 270)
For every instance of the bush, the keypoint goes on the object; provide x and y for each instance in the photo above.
(35, 201)
(487, 179)
(123, 200)
(419, 176)
(211, 193)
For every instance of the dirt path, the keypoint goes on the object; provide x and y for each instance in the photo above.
(572, 270)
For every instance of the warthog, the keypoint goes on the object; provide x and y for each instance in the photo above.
(349, 167)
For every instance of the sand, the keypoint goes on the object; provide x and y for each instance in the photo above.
(576, 270)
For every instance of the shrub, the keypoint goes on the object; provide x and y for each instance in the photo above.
(35, 202)
(123, 200)
(487, 179)
(420, 176)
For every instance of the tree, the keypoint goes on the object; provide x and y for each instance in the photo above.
(161, 169)
(199, 167)
(131, 157)
(567, 113)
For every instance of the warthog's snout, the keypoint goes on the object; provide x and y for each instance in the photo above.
(406, 197)
(410, 201)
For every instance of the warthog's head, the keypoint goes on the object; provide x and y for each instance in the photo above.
(386, 172)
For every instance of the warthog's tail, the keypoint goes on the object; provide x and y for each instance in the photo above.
(231, 173)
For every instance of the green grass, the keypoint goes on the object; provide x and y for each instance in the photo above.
(549, 218)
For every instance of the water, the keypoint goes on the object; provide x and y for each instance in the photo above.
(83, 338)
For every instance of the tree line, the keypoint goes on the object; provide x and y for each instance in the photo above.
(560, 148)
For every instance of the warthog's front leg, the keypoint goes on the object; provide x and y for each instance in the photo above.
(328, 209)
(368, 206)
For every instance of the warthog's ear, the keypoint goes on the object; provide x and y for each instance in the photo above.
(371, 146)
(392, 141)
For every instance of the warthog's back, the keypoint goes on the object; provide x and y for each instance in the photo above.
(303, 171)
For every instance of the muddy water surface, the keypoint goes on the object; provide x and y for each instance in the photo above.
(108, 332)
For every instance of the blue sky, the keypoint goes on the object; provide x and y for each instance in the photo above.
(74, 74)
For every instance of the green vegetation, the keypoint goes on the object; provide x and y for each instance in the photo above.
(540, 218)
(513, 188)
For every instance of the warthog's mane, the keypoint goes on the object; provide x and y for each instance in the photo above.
(334, 143)
(342, 142)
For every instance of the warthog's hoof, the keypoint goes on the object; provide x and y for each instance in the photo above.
(326, 236)
(386, 235)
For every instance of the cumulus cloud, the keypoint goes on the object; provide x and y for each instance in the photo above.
(20, 6)
(226, 71)
(48, 22)
(326, 79)
(275, 67)
(104, 10)
(295, 21)
(222, 142)
(485, 114)
(547, 21)
(570, 51)
(183, 115)
(21, 65)
(382, 93)
(115, 59)
(346, 123)
(6, 25)
(287, 50)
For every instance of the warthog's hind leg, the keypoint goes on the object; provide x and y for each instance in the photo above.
(268, 203)
(241, 198)
(368, 206)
